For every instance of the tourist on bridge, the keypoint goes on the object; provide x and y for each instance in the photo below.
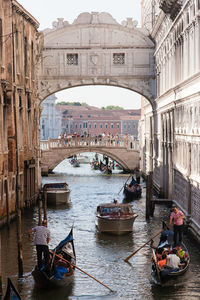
(177, 217)
(41, 241)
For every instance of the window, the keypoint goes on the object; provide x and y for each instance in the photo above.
(119, 58)
(25, 56)
(20, 122)
(95, 125)
(80, 126)
(101, 126)
(106, 125)
(76, 125)
(117, 125)
(90, 126)
(29, 120)
(72, 59)
(112, 125)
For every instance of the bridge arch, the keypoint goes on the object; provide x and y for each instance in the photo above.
(96, 50)
(54, 151)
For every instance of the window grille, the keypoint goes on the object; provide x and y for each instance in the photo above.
(119, 58)
(72, 59)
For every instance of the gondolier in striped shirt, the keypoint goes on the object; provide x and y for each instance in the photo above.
(177, 217)
(41, 240)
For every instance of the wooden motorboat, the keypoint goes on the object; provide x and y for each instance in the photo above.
(83, 159)
(11, 292)
(132, 191)
(57, 193)
(115, 218)
(166, 274)
(59, 272)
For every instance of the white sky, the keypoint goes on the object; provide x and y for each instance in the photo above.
(47, 11)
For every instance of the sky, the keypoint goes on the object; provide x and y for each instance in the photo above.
(47, 11)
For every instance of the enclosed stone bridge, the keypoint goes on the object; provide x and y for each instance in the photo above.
(96, 50)
(125, 151)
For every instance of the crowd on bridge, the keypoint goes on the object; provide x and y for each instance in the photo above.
(107, 137)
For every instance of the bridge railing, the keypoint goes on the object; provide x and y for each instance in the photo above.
(127, 142)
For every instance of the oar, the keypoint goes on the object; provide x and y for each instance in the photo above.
(124, 184)
(75, 266)
(126, 259)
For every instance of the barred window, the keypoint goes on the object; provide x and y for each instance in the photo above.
(72, 59)
(119, 58)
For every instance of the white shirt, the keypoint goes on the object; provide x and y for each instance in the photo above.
(173, 261)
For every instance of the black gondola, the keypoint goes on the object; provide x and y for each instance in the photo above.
(59, 272)
(11, 292)
(164, 275)
(132, 191)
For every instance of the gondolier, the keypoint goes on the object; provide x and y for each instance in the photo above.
(177, 217)
(41, 241)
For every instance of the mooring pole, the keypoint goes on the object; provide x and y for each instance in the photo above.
(149, 195)
(1, 289)
(45, 205)
(40, 207)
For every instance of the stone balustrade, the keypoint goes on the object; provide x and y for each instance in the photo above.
(128, 143)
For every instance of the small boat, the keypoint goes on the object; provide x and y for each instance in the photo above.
(105, 169)
(75, 163)
(57, 193)
(59, 272)
(95, 165)
(132, 191)
(11, 292)
(166, 274)
(83, 159)
(115, 218)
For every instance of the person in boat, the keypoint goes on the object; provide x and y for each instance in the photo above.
(137, 175)
(41, 241)
(181, 253)
(176, 217)
(173, 260)
(163, 262)
(166, 237)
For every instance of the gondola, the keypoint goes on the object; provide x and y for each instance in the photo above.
(132, 192)
(59, 272)
(165, 275)
(11, 292)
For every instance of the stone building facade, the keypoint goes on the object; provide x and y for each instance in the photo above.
(50, 121)
(91, 120)
(171, 131)
(19, 109)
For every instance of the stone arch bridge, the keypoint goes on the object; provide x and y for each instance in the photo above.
(125, 151)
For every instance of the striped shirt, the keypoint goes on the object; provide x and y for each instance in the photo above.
(41, 235)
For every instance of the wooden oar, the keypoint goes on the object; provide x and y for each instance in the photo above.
(126, 259)
(124, 184)
(75, 266)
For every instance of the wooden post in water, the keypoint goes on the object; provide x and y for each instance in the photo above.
(45, 205)
(149, 195)
(40, 207)
(1, 289)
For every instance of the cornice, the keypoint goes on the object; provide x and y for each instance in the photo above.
(22, 11)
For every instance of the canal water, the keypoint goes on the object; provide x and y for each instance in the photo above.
(101, 255)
